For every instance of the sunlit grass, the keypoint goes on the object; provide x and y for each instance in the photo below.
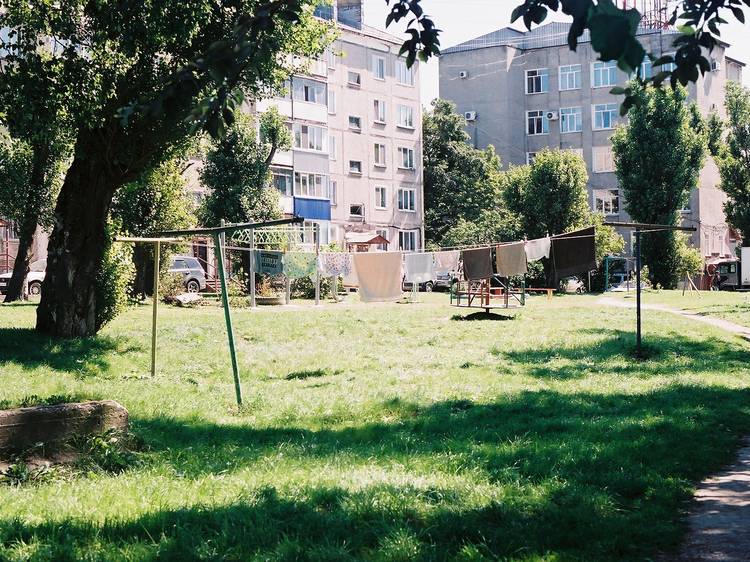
(383, 432)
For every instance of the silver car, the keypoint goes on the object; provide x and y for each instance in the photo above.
(190, 268)
(34, 279)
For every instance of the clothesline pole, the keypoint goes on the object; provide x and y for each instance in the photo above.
(228, 317)
(157, 249)
(253, 304)
(638, 289)
(317, 269)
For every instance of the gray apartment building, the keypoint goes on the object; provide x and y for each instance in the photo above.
(356, 120)
(524, 91)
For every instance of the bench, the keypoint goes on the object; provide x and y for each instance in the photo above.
(541, 290)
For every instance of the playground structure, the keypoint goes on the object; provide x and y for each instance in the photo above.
(481, 294)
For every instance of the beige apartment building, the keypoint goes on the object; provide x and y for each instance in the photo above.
(524, 91)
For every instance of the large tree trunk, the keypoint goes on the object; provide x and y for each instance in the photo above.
(17, 281)
(77, 244)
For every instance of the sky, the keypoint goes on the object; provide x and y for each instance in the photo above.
(462, 20)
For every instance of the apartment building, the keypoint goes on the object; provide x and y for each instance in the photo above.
(524, 91)
(356, 120)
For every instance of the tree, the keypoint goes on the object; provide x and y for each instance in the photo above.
(460, 182)
(612, 30)
(732, 155)
(157, 201)
(658, 158)
(491, 226)
(137, 79)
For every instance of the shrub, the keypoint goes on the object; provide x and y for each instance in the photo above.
(113, 281)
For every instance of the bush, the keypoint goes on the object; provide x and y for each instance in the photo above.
(113, 281)
(305, 288)
(170, 286)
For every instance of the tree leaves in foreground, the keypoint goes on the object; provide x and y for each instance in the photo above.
(658, 158)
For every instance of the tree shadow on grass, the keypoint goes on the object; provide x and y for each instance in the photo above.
(29, 349)
(475, 316)
(577, 476)
(615, 353)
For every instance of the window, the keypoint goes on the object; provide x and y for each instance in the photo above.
(537, 81)
(381, 197)
(357, 211)
(331, 57)
(646, 70)
(384, 234)
(310, 185)
(355, 123)
(604, 74)
(603, 159)
(309, 137)
(331, 102)
(333, 194)
(607, 201)
(332, 148)
(355, 167)
(354, 78)
(407, 240)
(309, 91)
(530, 156)
(405, 158)
(605, 116)
(407, 199)
(379, 107)
(379, 155)
(571, 120)
(537, 123)
(282, 180)
(404, 75)
(670, 66)
(405, 116)
(570, 77)
(378, 67)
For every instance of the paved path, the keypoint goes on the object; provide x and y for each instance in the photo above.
(719, 520)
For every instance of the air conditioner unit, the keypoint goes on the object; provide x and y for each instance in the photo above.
(552, 116)
(470, 115)
(463, 74)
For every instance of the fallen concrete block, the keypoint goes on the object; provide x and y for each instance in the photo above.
(24, 427)
(187, 299)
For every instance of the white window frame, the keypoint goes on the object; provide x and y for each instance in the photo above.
(406, 158)
(378, 61)
(313, 131)
(646, 68)
(333, 196)
(404, 74)
(411, 235)
(381, 196)
(353, 169)
(608, 108)
(405, 116)
(407, 199)
(530, 157)
(379, 107)
(303, 178)
(538, 78)
(357, 215)
(332, 148)
(385, 234)
(355, 127)
(357, 83)
(601, 70)
(603, 160)
(607, 202)
(380, 159)
(288, 175)
(572, 113)
(538, 114)
(306, 87)
(331, 58)
(568, 73)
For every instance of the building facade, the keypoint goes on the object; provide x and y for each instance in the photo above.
(524, 91)
(356, 120)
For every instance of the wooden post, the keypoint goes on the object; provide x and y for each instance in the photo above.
(157, 251)
(227, 316)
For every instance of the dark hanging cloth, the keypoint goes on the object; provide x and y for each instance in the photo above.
(573, 253)
(477, 264)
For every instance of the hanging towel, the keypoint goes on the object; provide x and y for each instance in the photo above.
(420, 268)
(269, 262)
(574, 253)
(379, 275)
(446, 262)
(335, 264)
(477, 264)
(511, 259)
(300, 264)
(538, 249)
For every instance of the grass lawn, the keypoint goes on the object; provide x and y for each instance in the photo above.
(383, 432)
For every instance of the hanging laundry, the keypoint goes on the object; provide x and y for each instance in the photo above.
(574, 253)
(335, 264)
(510, 259)
(477, 263)
(538, 249)
(379, 275)
(419, 268)
(300, 264)
(446, 262)
(268, 262)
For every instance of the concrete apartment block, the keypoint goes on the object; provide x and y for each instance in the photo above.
(525, 91)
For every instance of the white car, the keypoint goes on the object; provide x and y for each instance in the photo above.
(33, 280)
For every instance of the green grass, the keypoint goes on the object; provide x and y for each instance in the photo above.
(383, 432)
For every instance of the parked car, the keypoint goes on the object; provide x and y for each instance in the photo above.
(574, 285)
(33, 280)
(194, 278)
